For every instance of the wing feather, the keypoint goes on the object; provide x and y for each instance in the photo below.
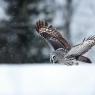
(52, 35)
(82, 48)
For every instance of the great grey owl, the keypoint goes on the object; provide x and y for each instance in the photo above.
(63, 51)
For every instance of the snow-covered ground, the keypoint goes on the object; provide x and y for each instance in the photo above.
(47, 80)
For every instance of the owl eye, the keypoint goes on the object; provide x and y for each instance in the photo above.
(54, 57)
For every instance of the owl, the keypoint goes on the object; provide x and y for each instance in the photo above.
(63, 51)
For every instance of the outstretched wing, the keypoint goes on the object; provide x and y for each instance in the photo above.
(84, 59)
(82, 48)
(52, 35)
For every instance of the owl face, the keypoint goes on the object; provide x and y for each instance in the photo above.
(58, 55)
(53, 58)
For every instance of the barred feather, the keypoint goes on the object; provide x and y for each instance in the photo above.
(82, 48)
(51, 34)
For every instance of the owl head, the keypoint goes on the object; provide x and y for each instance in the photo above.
(58, 55)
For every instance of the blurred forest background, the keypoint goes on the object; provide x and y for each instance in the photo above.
(19, 42)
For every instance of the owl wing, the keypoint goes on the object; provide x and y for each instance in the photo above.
(82, 48)
(84, 59)
(52, 35)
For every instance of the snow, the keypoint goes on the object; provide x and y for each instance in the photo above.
(47, 79)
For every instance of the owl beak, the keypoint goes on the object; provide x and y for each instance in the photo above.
(52, 61)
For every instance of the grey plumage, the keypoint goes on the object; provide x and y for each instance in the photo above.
(63, 51)
(58, 56)
(70, 56)
(82, 48)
